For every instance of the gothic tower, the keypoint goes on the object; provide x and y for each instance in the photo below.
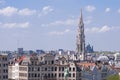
(80, 43)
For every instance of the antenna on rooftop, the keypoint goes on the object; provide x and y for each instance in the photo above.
(17, 43)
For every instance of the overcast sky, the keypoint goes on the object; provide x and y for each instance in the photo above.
(52, 24)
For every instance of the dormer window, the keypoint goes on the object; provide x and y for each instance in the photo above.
(63, 62)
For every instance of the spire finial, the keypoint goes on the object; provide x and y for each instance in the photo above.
(81, 17)
(81, 13)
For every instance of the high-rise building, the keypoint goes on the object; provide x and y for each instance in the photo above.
(3, 66)
(80, 43)
(20, 51)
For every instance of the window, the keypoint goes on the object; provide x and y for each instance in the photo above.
(32, 68)
(51, 68)
(62, 74)
(59, 74)
(73, 69)
(29, 69)
(29, 75)
(35, 75)
(32, 62)
(49, 75)
(59, 68)
(4, 70)
(45, 69)
(38, 69)
(23, 68)
(3, 65)
(52, 62)
(23, 74)
(48, 62)
(69, 69)
(73, 74)
(55, 68)
(52, 75)
(3, 76)
(38, 75)
(62, 68)
(62, 62)
(45, 62)
(69, 74)
(3, 58)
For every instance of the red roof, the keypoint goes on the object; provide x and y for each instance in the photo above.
(20, 59)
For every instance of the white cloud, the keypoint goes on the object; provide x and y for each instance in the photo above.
(24, 25)
(46, 10)
(88, 20)
(68, 22)
(15, 25)
(26, 11)
(9, 25)
(105, 28)
(90, 8)
(107, 10)
(59, 32)
(118, 10)
(99, 29)
(8, 11)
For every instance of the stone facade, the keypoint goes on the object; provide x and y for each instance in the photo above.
(43, 67)
(46, 67)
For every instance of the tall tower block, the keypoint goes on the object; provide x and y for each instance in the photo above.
(80, 43)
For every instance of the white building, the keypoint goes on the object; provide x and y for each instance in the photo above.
(117, 56)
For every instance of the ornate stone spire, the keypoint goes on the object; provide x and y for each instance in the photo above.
(81, 18)
(80, 50)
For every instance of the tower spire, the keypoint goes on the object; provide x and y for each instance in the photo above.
(80, 43)
(81, 17)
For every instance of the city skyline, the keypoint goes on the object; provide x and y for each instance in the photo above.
(52, 24)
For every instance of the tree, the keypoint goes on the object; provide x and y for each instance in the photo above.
(114, 77)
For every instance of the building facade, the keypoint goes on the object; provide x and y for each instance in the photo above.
(3, 66)
(43, 67)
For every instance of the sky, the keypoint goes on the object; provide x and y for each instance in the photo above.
(53, 24)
